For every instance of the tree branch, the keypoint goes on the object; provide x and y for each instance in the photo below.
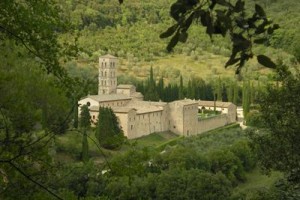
(34, 181)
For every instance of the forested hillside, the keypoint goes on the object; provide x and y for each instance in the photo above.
(131, 32)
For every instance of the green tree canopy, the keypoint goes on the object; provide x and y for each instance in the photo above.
(109, 133)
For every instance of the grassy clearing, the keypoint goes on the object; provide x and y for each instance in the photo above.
(68, 146)
(255, 180)
(155, 139)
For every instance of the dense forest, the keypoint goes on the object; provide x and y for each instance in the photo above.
(49, 52)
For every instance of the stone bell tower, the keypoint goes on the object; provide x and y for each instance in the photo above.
(107, 75)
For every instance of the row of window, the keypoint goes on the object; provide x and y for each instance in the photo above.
(190, 107)
(103, 83)
(118, 103)
(111, 64)
(112, 74)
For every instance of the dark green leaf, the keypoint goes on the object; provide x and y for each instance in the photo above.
(183, 37)
(203, 18)
(266, 61)
(239, 6)
(260, 40)
(223, 3)
(171, 30)
(188, 22)
(260, 11)
(231, 62)
(177, 9)
(173, 42)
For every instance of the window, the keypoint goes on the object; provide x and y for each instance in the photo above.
(94, 117)
(88, 103)
(105, 74)
(131, 127)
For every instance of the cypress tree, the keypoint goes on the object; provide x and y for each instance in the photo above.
(219, 90)
(180, 93)
(230, 92)
(85, 123)
(75, 124)
(235, 93)
(246, 98)
(160, 88)
(85, 148)
(151, 93)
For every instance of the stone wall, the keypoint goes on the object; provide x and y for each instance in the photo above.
(211, 123)
(147, 123)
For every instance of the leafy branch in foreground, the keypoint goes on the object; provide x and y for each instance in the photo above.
(222, 17)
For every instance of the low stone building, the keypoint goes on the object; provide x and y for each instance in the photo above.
(138, 118)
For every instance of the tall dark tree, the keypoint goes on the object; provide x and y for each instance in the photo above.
(109, 133)
(181, 90)
(278, 144)
(246, 98)
(151, 92)
(85, 123)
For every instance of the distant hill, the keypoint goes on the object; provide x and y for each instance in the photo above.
(130, 31)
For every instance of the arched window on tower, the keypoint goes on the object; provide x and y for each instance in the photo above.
(101, 73)
(105, 74)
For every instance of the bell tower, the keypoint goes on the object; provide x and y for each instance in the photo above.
(107, 75)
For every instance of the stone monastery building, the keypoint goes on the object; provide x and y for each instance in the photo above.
(138, 118)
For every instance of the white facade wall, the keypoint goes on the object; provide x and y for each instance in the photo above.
(114, 103)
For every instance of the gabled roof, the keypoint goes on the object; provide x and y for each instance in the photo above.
(184, 102)
(108, 97)
(124, 86)
(115, 109)
(218, 104)
(108, 56)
